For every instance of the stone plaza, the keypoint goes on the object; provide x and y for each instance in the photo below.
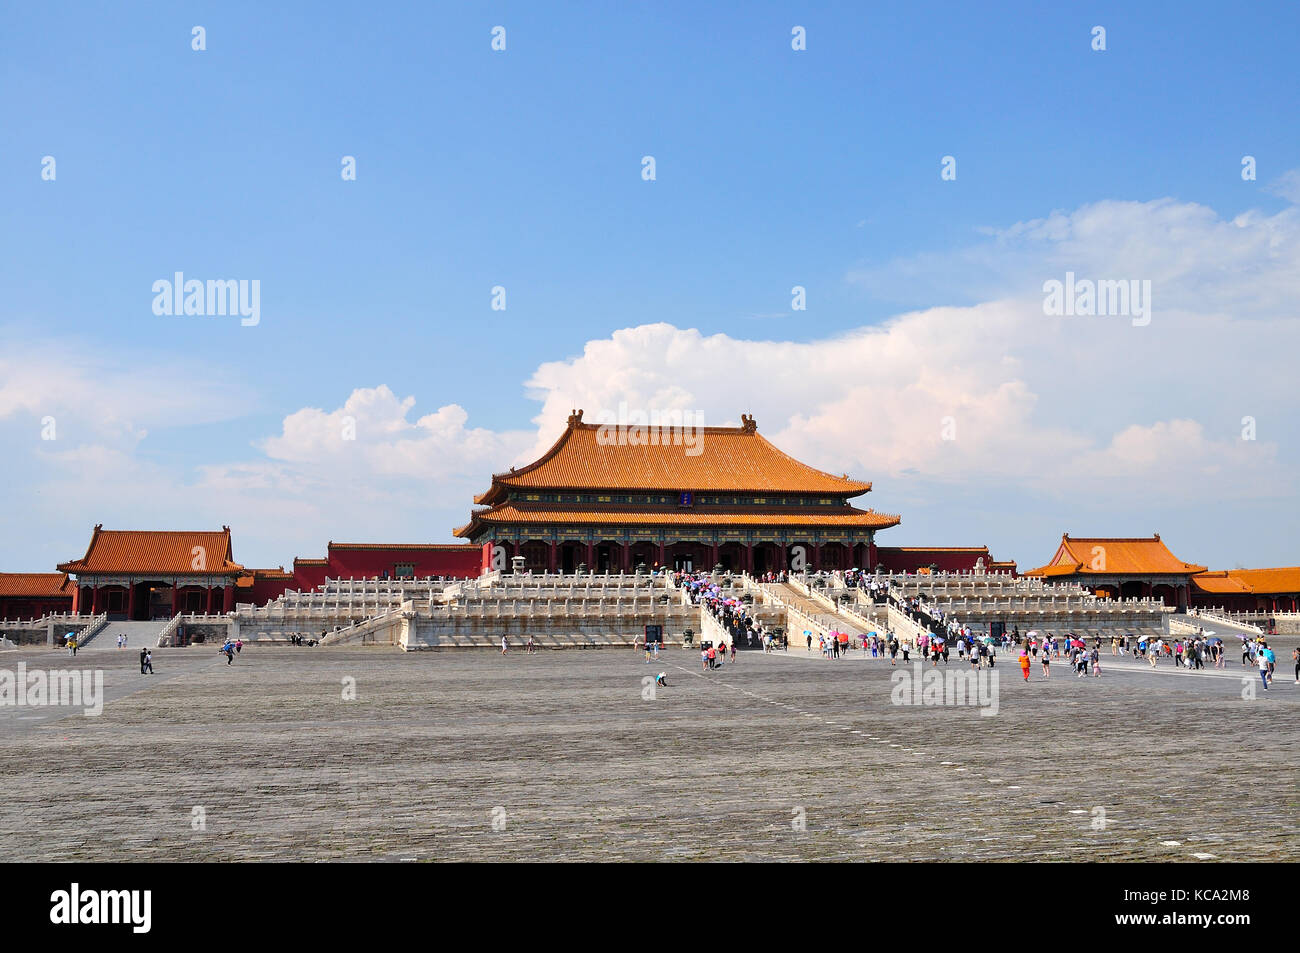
(367, 753)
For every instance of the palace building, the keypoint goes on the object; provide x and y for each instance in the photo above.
(1122, 567)
(612, 498)
(1125, 567)
(139, 575)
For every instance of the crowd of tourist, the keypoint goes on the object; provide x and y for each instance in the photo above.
(731, 612)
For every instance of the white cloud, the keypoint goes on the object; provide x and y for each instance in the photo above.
(372, 433)
(1061, 412)
(107, 395)
(1287, 186)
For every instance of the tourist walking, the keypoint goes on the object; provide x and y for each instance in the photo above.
(1047, 663)
(147, 668)
(143, 653)
(1024, 663)
(505, 645)
(1263, 669)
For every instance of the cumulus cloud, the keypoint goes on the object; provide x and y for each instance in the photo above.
(372, 433)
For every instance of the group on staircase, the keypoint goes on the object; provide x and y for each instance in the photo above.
(730, 612)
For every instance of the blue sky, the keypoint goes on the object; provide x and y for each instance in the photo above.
(522, 168)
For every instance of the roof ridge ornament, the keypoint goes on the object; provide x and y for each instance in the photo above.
(575, 418)
(747, 423)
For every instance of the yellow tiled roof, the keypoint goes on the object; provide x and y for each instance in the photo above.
(596, 456)
(166, 552)
(46, 585)
(1114, 556)
(1263, 582)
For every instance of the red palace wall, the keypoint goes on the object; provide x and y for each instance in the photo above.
(264, 590)
(32, 607)
(910, 559)
(454, 559)
(309, 575)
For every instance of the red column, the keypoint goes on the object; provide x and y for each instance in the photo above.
(130, 600)
(550, 557)
(713, 557)
(94, 600)
(591, 557)
(817, 558)
(175, 594)
(228, 599)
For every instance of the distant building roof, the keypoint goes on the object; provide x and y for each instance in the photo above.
(153, 551)
(1262, 582)
(39, 585)
(1114, 556)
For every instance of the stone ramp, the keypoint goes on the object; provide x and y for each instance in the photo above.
(823, 613)
(138, 635)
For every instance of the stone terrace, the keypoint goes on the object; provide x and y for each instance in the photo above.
(714, 767)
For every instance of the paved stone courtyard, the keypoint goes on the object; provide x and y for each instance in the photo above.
(470, 756)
